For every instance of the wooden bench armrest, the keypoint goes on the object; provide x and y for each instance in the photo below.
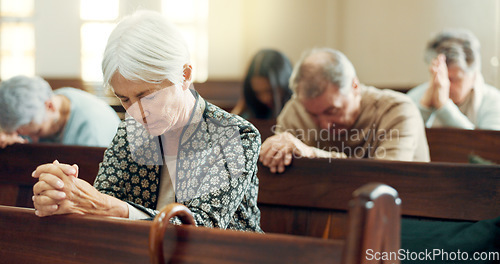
(160, 223)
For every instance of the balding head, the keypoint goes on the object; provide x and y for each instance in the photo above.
(319, 67)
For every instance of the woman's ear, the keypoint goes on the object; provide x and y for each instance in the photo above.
(187, 73)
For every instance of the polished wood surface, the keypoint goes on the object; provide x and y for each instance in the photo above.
(188, 244)
(455, 145)
(27, 238)
(312, 194)
(438, 190)
(374, 224)
(311, 197)
(89, 239)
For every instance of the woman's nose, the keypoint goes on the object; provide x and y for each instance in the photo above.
(138, 112)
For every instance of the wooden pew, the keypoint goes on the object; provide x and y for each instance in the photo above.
(374, 216)
(20, 160)
(190, 244)
(445, 144)
(310, 197)
(26, 238)
(455, 145)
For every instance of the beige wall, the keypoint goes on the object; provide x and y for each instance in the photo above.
(57, 31)
(384, 39)
(239, 28)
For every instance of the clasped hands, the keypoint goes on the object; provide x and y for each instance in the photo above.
(438, 92)
(60, 191)
(278, 151)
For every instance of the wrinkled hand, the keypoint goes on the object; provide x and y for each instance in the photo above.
(439, 86)
(59, 191)
(49, 190)
(278, 151)
(7, 139)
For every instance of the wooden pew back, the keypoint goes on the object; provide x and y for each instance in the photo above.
(189, 244)
(20, 160)
(455, 145)
(26, 238)
(374, 224)
(310, 197)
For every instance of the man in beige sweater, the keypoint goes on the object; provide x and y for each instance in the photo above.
(332, 115)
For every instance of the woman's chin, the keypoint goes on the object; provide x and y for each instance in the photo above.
(155, 130)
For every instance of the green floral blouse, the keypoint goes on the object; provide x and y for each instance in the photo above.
(216, 168)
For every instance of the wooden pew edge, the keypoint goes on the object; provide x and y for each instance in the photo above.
(72, 217)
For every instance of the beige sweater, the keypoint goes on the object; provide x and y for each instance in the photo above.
(389, 127)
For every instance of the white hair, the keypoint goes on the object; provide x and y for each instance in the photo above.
(460, 46)
(147, 47)
(310, 77)
(22, 101)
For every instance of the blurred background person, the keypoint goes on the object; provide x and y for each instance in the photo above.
(265, 88)
(333, 115)
(456, 94)
(29, 108)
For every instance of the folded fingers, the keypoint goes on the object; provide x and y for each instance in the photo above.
(47, 182)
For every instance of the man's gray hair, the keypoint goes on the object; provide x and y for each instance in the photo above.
(22, 100)
(145, 47)
(311, 76)
(460, 46)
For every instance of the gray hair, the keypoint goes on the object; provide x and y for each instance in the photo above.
(311, 77)
(22, 100)
(460, 47)
(147, 47)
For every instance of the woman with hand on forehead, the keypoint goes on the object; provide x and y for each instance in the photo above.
(173, 146)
